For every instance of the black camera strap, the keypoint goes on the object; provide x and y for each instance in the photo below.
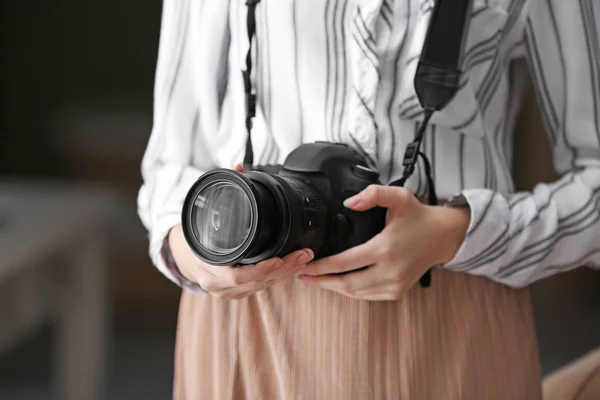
(247, 75)
(437, 81)
(437, 78)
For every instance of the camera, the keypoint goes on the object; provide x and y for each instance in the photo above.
(233, 218)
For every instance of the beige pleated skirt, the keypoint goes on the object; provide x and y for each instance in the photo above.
(464, 338)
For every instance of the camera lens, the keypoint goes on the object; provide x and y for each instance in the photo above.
(222, 217)
(232, 218)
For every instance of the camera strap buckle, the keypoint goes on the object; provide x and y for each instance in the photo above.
(411, 154)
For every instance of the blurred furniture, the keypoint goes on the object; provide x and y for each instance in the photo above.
(53, 266)
(98, 83)
(103, 141)
(579, 380)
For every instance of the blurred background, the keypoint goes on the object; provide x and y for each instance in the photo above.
(76, 80)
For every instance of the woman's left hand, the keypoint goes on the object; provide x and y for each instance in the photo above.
(416, 238)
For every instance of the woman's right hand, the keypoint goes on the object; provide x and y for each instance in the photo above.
(234, 282)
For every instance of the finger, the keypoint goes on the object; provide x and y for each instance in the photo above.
(378, 195)
(241, 275)
(300, 258)
(375, 292)
(239, 168)
(256, 287)
(274, 268)
(349, 260)
(243, 291)
(389, 291)
(349, 284)
(237, 292)
(212, 283)
(293, 263)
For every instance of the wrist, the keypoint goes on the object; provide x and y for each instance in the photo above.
(450, 226)
(182, 259)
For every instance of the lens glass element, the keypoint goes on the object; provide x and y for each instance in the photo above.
(222, 217)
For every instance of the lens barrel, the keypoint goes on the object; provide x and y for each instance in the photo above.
(233, 218)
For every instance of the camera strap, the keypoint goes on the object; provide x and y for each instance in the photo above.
(247, 75)
(437, 80)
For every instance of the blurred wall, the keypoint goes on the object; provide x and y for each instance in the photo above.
(76, 86)
(533, 163)
(66, 52)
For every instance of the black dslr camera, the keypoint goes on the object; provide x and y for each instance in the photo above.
(232, 218)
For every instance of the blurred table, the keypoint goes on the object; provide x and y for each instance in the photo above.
(53, 267)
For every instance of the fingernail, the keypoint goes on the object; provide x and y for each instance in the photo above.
(305, 257)
(351, 201)
(278, 264)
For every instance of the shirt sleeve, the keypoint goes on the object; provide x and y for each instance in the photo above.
(176, 154)
(520, 238)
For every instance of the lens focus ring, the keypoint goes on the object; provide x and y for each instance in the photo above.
(308, 214)
(295, 210)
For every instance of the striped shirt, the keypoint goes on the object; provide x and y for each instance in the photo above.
(343, 70)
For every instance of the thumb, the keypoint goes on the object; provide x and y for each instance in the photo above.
(377, 195)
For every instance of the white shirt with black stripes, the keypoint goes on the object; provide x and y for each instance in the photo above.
(343, 70)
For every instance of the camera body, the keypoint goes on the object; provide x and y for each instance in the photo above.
(325, 174)
(233, 218)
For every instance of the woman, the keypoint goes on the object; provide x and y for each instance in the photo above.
(342, 71)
